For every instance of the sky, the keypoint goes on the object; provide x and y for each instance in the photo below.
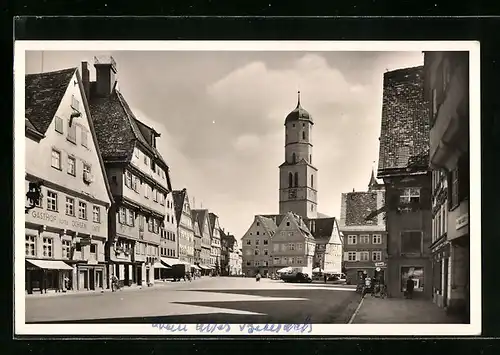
(221, 118)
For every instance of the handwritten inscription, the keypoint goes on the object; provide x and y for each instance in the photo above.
(303, 328)
(55, 221)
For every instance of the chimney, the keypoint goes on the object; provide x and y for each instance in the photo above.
(86, 79)
(105, 69)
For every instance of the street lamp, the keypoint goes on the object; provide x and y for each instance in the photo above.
(34, 195)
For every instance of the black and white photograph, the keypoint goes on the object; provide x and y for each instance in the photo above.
(251, 188)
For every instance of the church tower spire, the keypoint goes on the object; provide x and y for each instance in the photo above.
(298, 182)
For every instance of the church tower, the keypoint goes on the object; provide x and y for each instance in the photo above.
(298, 182)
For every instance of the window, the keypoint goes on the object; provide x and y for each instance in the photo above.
(82, 210)
(377, 239)
(71, 132)
(299, 260)
(93, 248)
(266, 242)
(56, 159)
(410, 195)
(84, 138)
(30, 245)
(257, 252)
(296, 178)
(276, 247)
(290, 179)
(258, 233)
(70, 206)
(86, 173)
(96, 214)
(288, 224)
(135, 183)
(364, 239)
(150, 224)
(417, 274)
(156, 226)
(351, 256)
(276, 261)
(312, 180)
(310, 158)
(78, 247)
(155, 195)
(75, 104)
(299, 246)
(303, 135)
(364, 256)
(51, 201)
(294, 158)
(162, 199)
(147, 192)
(66, 249)
(72, 166)
(59, 125)
(377, 256)
(47, 247)
(128, 179)
(411, 242)
(266, 252)
(136, 152)
(291, 246)
(122, 216)
(351, 239)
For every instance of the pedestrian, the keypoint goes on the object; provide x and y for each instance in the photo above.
(410, 285)
(257, 277)
(66, 283)
(324, 276)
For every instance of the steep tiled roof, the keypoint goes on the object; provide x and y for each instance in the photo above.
(276, 218)
(358, 206)
(268, 223)
(43, 94)
(322, 215)
(323, 227)
(118, 129)
(405, 121)
(178, 197)
(196, 225)
(201, 215)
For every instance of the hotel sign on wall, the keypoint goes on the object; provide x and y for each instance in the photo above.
(56, 220)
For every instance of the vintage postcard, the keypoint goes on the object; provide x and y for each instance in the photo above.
(247, 188)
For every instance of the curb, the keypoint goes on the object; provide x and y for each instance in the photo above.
(357, 310)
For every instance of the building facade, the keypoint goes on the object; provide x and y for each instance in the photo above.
(169, 243)
(202, 217)
(447, 91)
(365, 240)
(230, 265)
(138, 176)
(404, 168)
(257, 247)
(215, 243)
(197, 240)
(185, 230)
(67, 229)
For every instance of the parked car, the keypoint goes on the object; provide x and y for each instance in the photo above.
(338, 278)
(298, 277)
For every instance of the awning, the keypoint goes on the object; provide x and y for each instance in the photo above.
(316, 269)
(50, 264)
(205, 267)
(196, 267)
(159, 265)
(285, 270)
(170, 262)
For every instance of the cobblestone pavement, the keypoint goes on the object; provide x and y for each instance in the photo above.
(401, 311)
(221, 299)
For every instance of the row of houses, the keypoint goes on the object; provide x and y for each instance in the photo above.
(419, 221)
(100, 201)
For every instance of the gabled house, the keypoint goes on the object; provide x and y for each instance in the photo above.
(256, 246)
(67, 230)
(202, 216)
(185, 230)
(215, 242)
(328, 244)
(138, 176)
(197, 240)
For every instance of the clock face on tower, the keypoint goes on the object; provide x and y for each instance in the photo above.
(292, 193)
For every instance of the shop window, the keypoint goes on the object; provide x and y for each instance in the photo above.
(417, 274)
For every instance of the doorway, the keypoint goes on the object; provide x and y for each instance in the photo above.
(379, 275)
(92, 279)
(127, 276)
(99, 279)
(83, 282)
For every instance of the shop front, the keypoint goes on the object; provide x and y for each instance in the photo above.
(90, 276)
(46, 275)
(440, 273)
(400, 270)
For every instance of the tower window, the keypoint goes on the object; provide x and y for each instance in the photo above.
(312, 180)
(303, 135)
(290, 179)
(296, 179)
(294, 158)
(312, 207)
(310, 158)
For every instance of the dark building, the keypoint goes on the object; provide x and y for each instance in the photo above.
(447, 91)
(404, 167)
